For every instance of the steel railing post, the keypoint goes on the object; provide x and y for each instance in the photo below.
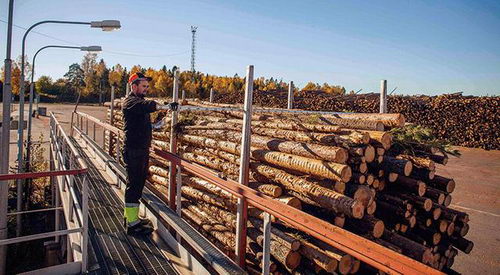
(290, 95)
(87, 127)
(241, 216)
(211, 95)
(93, 131)
(70, 198)
(266, 245)
(172, 188)
(85, 223)
(117, 149)
(111, 118)
(62, 165)
(383, 96)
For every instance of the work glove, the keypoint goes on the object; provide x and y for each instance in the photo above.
(173, 106)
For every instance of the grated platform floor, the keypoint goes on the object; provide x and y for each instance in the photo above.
(111, 250)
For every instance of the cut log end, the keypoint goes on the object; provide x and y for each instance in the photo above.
(427, 205)
(372, 207)
(369, 179)
(451, 186)
(369, 153)
(432, 174)
(363, 167)
(436, 213)
(447, 200)
(345, 264)
(355, 266)
(440, 198)
(358, 210)
(422, 187)
(408, 168)
(412, 221)
(450, 228)
(378, 229)
(346, 173)
(293, 259)
(393, 177)
(436, 238)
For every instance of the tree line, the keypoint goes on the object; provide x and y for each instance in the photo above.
(93, 78)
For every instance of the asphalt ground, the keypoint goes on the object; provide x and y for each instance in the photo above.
(476, 173)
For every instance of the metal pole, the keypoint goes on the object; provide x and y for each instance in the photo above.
(172, 181)
(111, 118)
(30, 120)
(20, 125)
(241, 217)
(85, 223)
(290, 95)
(211, 95)
(266, 245)
(183, 94)
(383, 96)
(4, 167)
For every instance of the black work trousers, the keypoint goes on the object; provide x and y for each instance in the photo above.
(136, 163)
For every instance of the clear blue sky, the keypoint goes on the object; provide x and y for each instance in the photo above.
(422, 47)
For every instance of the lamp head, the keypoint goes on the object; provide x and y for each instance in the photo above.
(106, 25)
(91, 49)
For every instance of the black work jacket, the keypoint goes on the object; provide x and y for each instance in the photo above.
(138, 128)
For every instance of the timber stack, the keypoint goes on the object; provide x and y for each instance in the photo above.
(343, 169)
(444, 114)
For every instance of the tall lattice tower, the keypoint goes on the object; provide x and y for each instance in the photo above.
(193, 48)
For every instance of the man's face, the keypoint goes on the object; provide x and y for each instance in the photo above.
(140, 88)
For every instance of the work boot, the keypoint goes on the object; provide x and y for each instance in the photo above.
(139, 229)
(146, 222)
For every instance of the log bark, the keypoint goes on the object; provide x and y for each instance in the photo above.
(316, 151)
(442, 183)
(410, 248)
(409, 185)
(399, 166)
(368, 224)
(287, 257)
(325, 197)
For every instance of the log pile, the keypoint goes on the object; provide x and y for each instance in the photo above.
(350, 177)
(444, 114)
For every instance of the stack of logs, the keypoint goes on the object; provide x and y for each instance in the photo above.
(444, 114)
(340, 169)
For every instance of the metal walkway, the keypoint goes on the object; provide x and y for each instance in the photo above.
(111, 250)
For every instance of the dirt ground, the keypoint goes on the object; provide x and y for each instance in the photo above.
(476, 172)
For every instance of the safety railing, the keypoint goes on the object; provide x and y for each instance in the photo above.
(65, 166)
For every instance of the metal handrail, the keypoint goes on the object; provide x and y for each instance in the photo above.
(58, 138)
(367, 251)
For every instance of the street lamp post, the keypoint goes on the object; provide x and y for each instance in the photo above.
(105, 25)
(32, 84)
(4, 149)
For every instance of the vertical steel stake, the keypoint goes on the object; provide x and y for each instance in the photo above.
(172, 184)
(290, 95)
(266, 246)
(241, 215)
(383, 96)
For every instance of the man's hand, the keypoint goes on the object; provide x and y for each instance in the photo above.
(173, 106)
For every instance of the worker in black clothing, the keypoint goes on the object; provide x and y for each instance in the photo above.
(138, 127)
